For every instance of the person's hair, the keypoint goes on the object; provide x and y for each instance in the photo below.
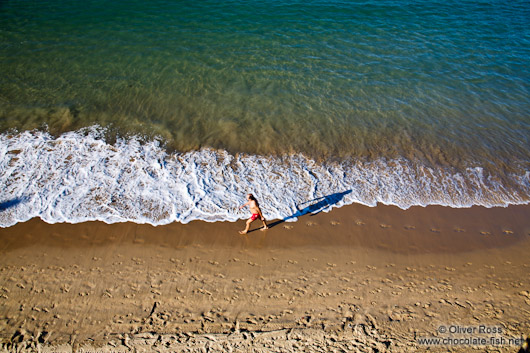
(250, 196)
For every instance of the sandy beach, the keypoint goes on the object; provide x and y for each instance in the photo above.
(131, 132)
(357, 279)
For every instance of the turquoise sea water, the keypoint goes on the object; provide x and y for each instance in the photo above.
(401, 102)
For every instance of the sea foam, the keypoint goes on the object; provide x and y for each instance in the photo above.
(79, 177)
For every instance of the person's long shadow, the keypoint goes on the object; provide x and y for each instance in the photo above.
(320, 204)
(12, 203)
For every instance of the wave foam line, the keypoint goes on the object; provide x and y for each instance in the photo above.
(78, 177)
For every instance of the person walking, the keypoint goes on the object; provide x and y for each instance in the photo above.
(256, 213)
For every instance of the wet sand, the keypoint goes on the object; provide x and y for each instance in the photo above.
(357, 279)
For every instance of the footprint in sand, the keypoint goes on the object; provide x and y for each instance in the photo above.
(459, 230)
(385, 226)
(410, 227)
(507, 232)
(435, 230)
(288, 227)
(359, 222)
(485, 233)
(311, 224)
(335, 223)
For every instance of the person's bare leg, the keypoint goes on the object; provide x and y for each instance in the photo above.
(264, 225)
(246, 228)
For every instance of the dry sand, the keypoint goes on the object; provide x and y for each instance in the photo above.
(355, 279)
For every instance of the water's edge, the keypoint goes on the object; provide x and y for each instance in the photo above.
(78, 177)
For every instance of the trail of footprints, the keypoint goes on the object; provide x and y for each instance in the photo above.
(409, 227)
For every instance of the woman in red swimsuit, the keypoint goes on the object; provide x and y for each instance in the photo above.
(256, 213)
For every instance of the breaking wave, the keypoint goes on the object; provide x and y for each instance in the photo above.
(79, 177)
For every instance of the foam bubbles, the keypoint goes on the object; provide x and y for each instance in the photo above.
(79, 177)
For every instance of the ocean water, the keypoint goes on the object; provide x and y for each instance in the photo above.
(163, 111)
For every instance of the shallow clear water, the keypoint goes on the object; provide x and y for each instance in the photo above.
(355, 89)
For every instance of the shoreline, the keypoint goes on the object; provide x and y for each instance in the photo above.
(425, 229)
(157, 187)
(354, 278)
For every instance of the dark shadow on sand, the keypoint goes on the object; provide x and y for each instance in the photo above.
(12, 203)
(318, 206)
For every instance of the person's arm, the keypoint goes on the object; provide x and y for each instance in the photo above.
(260, 214)
(240, 207)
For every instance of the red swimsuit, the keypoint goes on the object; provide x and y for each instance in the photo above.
(254, 216)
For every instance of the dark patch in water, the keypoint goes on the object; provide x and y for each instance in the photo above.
(12, 203)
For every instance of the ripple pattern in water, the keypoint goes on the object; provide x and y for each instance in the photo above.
(443, 85)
